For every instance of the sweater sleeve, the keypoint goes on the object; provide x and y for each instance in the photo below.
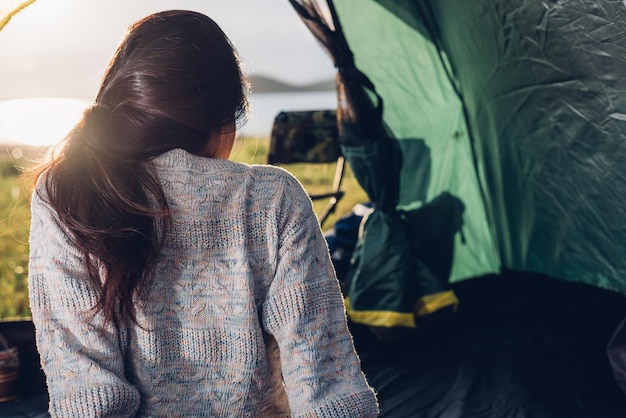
(79, 352)
(304, 311)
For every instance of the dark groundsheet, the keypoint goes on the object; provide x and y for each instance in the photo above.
(520, 345)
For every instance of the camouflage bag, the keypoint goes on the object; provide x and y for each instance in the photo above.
(308, 136)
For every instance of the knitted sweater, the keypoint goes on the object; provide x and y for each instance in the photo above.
(243, 316)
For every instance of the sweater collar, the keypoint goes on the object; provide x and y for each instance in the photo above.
(178, 158)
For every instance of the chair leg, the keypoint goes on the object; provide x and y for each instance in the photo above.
(338, 194)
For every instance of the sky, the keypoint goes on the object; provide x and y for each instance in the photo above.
(59, 48)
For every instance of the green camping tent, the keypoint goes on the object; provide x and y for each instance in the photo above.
(490, 137)
(504, 120)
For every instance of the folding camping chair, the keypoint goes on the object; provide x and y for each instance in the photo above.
(309, 137)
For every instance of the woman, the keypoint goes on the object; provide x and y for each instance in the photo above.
(166, 280)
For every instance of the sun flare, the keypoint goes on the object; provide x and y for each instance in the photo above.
(42, 121)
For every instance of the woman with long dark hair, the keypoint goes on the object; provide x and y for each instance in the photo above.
(166, 280)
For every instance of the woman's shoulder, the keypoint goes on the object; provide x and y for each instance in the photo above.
(178, 166)
(280, 179)
(275, 172)
(178, 160)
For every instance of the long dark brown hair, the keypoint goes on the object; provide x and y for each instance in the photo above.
(175, 81)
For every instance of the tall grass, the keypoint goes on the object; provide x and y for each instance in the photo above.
(14, 227)
(15, 212)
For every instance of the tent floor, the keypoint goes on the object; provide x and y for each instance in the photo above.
(519, 346)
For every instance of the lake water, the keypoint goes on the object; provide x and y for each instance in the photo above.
(45, 121)
(265, 107)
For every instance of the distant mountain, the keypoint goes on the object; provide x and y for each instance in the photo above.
(265, 84)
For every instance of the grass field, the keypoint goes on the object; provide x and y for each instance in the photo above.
(15, 212)
(14, 226)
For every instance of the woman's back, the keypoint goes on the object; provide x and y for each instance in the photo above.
(166, 280)
(213, 277)
(233, 287)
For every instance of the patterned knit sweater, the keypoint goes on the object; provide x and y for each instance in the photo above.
(243, 317)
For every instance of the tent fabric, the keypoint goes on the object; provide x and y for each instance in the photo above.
(388, 283)
(517, 109)
(424, 114)
(544, 84)
(387, 277)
